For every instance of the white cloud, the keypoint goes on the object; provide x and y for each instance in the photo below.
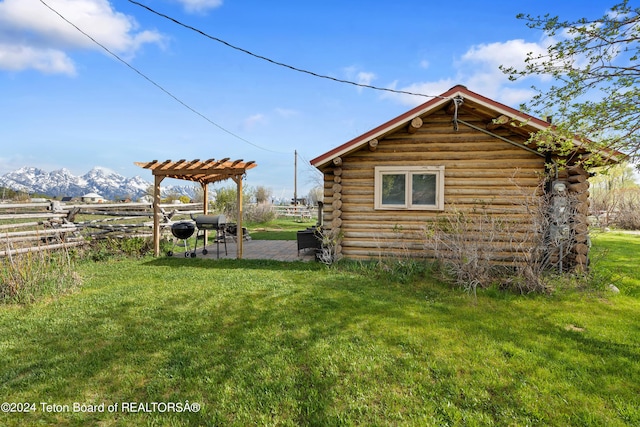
(286, 113)
(511, 53)
(423, 88)
(253, 121)
(365, 78)
(361, 77)
(478, 69)
(488, 57)
(260, 119)
(514, 96)
(33, 36)
(199, 6)
(18, 57)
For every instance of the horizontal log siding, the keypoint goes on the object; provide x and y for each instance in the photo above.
(482, 173)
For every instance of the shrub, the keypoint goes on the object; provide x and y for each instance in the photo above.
(628, 216)
(102, 249)
(463, 244)
(259, 213)
(262, 194)
(227, 199)
(331, 240)
(479, 249)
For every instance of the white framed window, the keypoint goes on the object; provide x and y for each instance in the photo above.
(409, 187)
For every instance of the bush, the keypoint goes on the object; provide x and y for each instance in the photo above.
(24, 278)
(102, 249)
(464, 245)
(628, 217)
(226, 202)
(481, 249)
(259, 213)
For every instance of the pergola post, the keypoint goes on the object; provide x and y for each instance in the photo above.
(156, 214)
(239, 233)
(205, 210)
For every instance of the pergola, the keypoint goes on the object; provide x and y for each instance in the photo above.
(205, 172)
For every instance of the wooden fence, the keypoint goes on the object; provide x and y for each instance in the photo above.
(297, 212)
(29, 227)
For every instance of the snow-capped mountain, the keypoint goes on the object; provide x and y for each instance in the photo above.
(62, 182)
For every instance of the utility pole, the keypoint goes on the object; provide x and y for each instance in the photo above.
(295, 178)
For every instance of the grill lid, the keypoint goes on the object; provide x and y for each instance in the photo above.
(210, 220)
(183, 229)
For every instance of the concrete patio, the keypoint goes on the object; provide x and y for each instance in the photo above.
(280, 250)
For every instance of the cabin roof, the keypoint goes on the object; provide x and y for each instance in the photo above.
(481, 105)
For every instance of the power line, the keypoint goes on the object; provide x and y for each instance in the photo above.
(307, 163)
(281, 64)
(157, 85)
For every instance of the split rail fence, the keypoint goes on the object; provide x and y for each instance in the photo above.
(297, 212)
(32, 227)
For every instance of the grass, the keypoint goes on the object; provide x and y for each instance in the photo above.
(271, 343)
(617, 255)
(27, 277)
(278, 229)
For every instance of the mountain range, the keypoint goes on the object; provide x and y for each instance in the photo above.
(62, 182)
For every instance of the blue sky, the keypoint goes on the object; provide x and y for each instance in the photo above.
(65, 102)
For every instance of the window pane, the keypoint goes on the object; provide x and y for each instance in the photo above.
(423, 189)
(393, 189)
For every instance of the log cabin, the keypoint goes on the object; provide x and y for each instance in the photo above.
(459, 153)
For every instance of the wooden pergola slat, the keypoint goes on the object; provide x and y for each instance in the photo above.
(205, 172)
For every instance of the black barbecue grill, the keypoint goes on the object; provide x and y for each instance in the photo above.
(182, 231)
(210, 222)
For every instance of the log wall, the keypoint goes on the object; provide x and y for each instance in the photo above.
(482, 173)
(580, 244)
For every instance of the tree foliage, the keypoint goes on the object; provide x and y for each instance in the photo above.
(615, 197)
(226, 201)
(316, 195)
(619, 177)
(262, 194)
(594, 68)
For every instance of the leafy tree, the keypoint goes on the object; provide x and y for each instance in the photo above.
(595, 72)
(619, 177)
(316, 194)
(262, 194)
(18, 196)
(198, 193)
(149, 191)
(227, 199)
(171, 197)
(615, 196)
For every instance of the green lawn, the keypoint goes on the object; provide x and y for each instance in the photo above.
(270, 343)
(278, 229)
